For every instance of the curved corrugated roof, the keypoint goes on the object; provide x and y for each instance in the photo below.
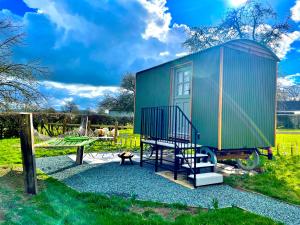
(246, 45)
(252, 43)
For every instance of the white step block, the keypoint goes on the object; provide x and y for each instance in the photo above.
(199, 165)
(198, 155)
(207, 178)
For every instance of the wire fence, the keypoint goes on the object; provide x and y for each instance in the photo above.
(287, 148)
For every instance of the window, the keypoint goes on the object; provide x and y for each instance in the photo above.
(183, 82)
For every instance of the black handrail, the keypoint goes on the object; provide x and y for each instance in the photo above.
(170, 124)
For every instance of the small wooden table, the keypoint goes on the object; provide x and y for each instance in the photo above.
(125, 155)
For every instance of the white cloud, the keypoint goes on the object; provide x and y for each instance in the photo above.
(158, 19)
(289, 80)
(285, 43)
(237, 3)
(181, 54)
(295, 11)
(59, 14)
(80, 90)
(165, 53)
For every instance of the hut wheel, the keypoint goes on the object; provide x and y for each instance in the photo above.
(211, 155)
(250, 162)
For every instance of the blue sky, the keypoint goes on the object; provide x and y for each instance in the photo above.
(89, 45)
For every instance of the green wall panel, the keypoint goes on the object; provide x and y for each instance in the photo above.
(152, 89)
(205, 94)
(249, 83)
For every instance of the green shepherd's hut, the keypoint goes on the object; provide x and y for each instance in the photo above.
(220, 100)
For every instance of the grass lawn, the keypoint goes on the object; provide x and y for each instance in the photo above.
(280, 179)
(287, 144)
(58, 204)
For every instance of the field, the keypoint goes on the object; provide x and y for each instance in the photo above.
(287, 144)
(56, 203)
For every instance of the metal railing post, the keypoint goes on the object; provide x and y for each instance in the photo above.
(175, 146)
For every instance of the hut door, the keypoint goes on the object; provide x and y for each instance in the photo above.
(182, 93)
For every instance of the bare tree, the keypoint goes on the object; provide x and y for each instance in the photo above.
(18, 81)
(294, 92)
(282, 93)
(253, 20)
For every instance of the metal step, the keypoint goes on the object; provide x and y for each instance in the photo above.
(207, 178)
(189, 156)
(199, 165)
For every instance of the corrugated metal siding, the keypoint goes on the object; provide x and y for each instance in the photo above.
(152, 89)
(205, 95)
(249, 85)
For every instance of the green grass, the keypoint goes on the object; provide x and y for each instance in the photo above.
(280, 179)
(287, 144)
(58, 204)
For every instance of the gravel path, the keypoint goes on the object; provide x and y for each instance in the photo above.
(144, 184)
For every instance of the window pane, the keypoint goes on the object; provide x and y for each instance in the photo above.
(179, 89)
(186, 89)
(186, 76)
(180, 77)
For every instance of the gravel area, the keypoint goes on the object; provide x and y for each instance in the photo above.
(144, 184)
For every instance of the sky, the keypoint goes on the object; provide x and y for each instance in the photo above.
(89, 45)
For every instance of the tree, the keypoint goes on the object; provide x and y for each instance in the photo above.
(293, 92)
(124, 100)
(128, 82)
(70, 107)
(282, 93)
(253, 20)
(18, 81)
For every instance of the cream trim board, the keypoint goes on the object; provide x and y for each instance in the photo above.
(220, 99)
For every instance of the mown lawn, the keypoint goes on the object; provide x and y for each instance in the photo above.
(287, 144)
(280, 179)
(58, 204)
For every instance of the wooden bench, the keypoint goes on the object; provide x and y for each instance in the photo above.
(125, 155)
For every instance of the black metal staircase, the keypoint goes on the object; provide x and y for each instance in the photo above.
(167, 128)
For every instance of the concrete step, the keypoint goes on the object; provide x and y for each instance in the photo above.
(207, 178)
(198, 155)
(199, 165)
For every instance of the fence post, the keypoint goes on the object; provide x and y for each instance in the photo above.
(64, 125)
(292, 150)
(28, 154)
(80, 149)
(88, 126)
(116, 132)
